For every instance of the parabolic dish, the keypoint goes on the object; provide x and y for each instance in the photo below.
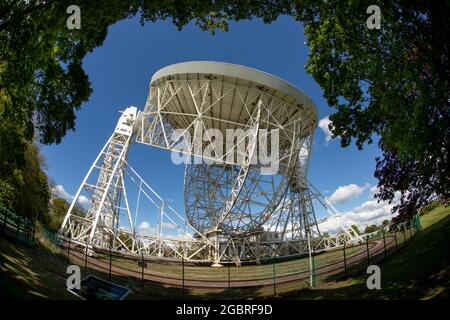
(205, 95)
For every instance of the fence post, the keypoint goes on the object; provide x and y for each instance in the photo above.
(5, 220)
(86, 253)
(110, 260)
(313, 268)
(19, 222)
(28, 231)
(34, 230)
(274, 275)
(182, 261)
(367, 249)
(345, 263)
(418, 224)
(404, 234)
(68, 251)
(395, 236)
(384, 242)
(229, 279)
(142, 274)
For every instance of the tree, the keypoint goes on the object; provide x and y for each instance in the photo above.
(385, 223)
(42, 81)
(125, 239)
(355, 228)
(430, 207)
(27, 191)
(393, 83)
(371, 228)
(58, 210)
(43, 56)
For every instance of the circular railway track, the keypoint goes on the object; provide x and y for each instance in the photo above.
(376, 248)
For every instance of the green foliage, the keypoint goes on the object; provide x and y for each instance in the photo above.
(354, 227)
(27, 192)
(41, 75)
(58, 210)
(42, 81)
(430, 207)
(127, 241)
(393, 82)
(371, 228)
(6, 194)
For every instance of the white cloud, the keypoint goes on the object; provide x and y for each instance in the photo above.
(144, 225)
(323, 124)
(58, 191)
(183, 236)
(126, 229)
(373, 190)
(144, 228)
(369, 212)
(345, 193)
(83, 200)
(303, 152)
(370, 205)
(168, 225)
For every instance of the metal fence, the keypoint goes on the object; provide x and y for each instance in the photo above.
(153, 278)
(15, 227)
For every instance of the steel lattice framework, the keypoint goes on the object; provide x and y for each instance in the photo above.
(240, 204)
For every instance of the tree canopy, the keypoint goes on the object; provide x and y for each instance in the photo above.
(42, 81)
(371, 228)
(356, 229)
(58, 210)
(27, 191)
(392, 83)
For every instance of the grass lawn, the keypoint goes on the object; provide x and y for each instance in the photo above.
(245, 272)
(421, 271)
(31, 273)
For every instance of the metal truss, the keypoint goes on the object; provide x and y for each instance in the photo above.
(195, 106)
(99, 223)
(233, 211)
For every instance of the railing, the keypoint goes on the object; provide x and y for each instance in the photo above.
(16, 227)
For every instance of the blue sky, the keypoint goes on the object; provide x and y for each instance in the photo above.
(120, 72)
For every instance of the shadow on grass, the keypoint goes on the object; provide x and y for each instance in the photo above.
(420, 270)
(31, 273)
(36, 273)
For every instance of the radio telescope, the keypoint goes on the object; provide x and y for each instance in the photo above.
(245, 138)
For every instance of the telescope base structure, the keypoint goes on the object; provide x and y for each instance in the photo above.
(285, 234)
(247, 199)
(237, 251)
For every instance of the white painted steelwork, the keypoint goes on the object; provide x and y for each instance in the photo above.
(234, 209)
